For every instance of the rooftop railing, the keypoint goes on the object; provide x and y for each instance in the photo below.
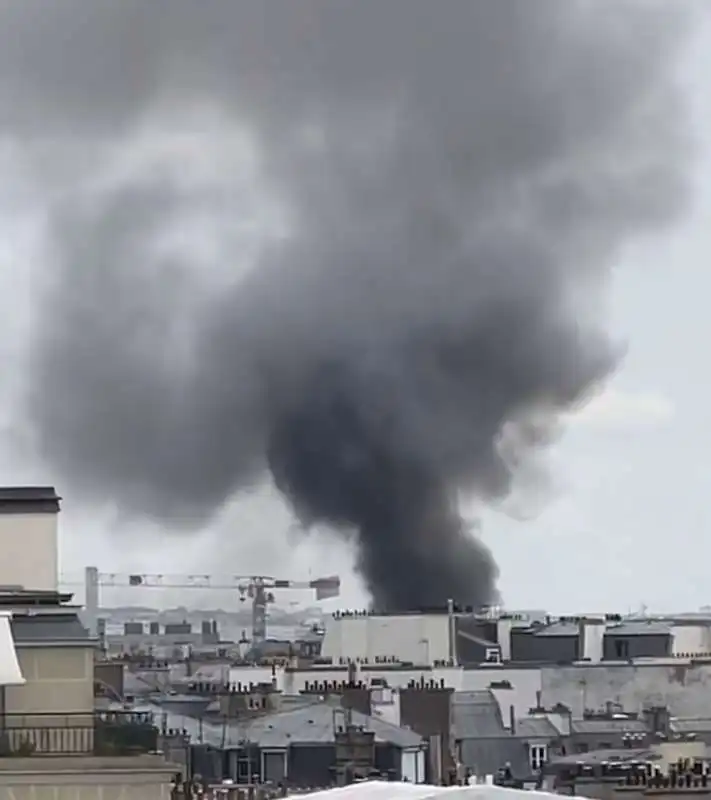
(110, 733)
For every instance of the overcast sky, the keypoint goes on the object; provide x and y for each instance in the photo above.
(627, 521)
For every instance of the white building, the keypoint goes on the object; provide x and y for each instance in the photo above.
(28, 538)
(420, 639)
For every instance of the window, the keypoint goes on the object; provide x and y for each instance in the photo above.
(622, 648)
(273, 766)
(244, 770)
(538, 754)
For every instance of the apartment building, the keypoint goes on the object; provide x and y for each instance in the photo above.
(52, 741)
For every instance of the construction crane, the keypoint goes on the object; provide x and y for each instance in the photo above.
(257, 588)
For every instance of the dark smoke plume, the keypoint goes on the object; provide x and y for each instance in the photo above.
(452, 180)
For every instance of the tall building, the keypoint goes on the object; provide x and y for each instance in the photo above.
(51, 737)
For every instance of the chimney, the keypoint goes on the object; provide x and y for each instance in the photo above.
(451, 633)
(28, 543)
(658, 720)
(591, 638)
(503, 636)
(427, 711)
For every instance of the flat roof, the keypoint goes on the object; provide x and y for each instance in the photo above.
(619, 756)
(29, 500)
(11, 597)
(51, 628)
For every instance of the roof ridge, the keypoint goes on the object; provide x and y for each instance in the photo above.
(387, 724)
(285, 712)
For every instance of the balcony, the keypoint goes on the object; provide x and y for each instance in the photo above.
(111, 733)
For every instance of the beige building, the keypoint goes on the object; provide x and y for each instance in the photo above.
(53, 744)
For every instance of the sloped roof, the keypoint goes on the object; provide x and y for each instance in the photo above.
(536, 728)
(471, 639)
(600, 726)
(49, 628)
(476, 715)
(486, 756)
(136, 683)
(691, 725)
(312, 724)
(605, 756)
(315, 724)
(640, 627)
(557, 628)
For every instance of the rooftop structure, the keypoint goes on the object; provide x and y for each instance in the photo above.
(50, 733)
(453, 636)
(258, 588)
(28, 537)
(48, 723)
(10, 674)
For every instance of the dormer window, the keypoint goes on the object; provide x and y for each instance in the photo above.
(538, 755)
(622, 648)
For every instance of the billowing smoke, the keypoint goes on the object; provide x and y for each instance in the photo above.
(448, 184)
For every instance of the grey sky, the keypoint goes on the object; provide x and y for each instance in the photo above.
(629, 479)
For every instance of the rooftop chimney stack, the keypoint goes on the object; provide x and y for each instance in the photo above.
(503, 636)
(28, 537)
(592, 637)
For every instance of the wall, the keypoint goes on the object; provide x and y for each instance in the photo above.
(60, 778)
(691, 639)
(412, 766)
(683, 686)
(672, 752)
(310, 766)
(58, 680)
(528, 647)
(417, 638)
(647, 646)
(474, 637)
(385, 705)
(603, 739)
(428, 712)
(109, 679)
(596, 788)
(28, 551)
(10, 673)
(524, 682)
(247, 675)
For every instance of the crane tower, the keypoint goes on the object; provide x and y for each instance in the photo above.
(257, 588)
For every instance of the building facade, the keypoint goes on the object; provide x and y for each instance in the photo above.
(51, 737)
